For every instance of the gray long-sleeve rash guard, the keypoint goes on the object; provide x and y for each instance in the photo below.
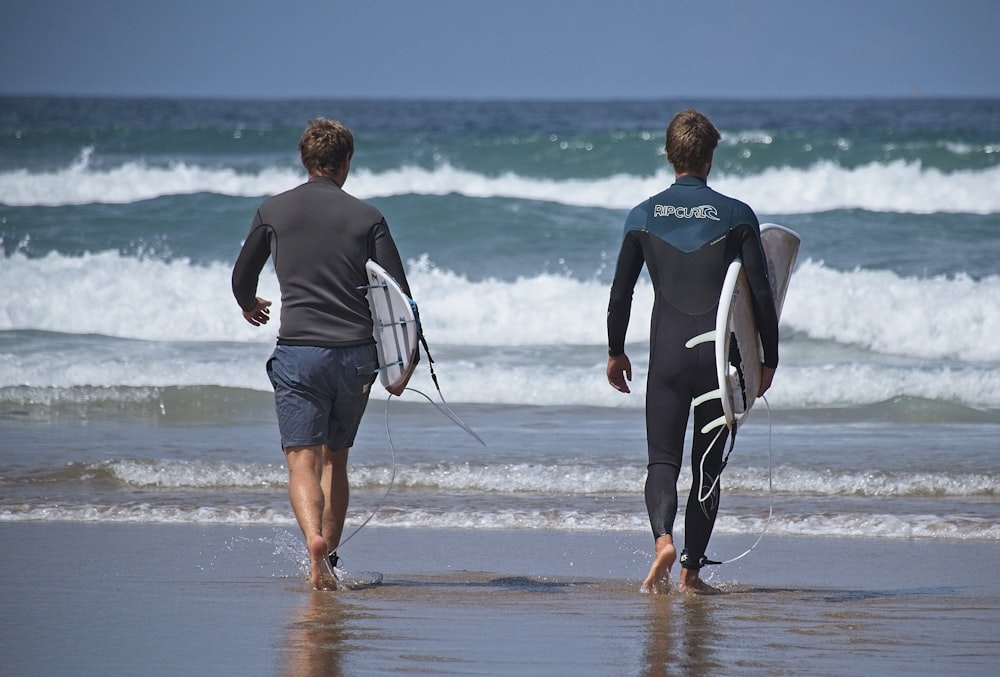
(319, 238)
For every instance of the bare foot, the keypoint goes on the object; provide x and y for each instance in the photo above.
(658, 580)
(690, 582)
(660, 587)
(320, 575)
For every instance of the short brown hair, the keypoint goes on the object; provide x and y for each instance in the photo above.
(691, 140)
(325, 146)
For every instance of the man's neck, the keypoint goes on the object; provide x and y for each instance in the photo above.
(321, 175)
(698, 175)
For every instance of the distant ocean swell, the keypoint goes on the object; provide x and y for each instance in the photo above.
(897, 186)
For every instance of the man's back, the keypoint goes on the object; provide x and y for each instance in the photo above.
(319, 238)
(685, 232)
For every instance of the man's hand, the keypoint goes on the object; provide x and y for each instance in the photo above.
(260, 313)
(619, 372)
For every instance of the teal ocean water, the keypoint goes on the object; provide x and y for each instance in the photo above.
(132, 390)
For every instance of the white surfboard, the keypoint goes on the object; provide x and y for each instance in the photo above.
(396, 326)
(738, 384)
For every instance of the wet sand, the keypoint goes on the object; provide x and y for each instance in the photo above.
(127, 599)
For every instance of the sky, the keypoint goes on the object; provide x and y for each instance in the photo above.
(504, 49)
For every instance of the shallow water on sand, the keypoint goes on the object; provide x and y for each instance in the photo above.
(225, 600)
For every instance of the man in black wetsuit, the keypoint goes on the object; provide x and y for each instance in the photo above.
(686, 236)
(319, 238)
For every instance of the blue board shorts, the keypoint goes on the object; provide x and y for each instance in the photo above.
(320, 394)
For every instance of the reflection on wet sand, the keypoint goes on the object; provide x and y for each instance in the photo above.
(315, 638)
(680, 637)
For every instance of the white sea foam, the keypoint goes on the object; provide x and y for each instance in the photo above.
(535, 340)
(840, 524)
(195, 474)
(592, 496)
(905, 187)
(114, 295)
(133, 181)
(938, 317)
(581, 478)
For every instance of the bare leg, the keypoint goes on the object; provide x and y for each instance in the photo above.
(305, 470)
(658, 579)
(336, 495)
(691, 582)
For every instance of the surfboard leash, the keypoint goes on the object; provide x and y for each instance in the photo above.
(770, 487)
(388, 489)
(447, 411)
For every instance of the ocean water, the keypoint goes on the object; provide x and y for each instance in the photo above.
(132, 390)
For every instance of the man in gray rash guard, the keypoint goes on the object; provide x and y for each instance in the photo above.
(686, 236)
(319, 238)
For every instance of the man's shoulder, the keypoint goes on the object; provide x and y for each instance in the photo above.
(638, 216)
(361, 205)
(283, 196)
(345, 200)
(735, 203)
(323, 192)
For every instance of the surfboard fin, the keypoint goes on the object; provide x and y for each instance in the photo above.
(700, 338)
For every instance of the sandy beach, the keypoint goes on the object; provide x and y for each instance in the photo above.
(168, 600)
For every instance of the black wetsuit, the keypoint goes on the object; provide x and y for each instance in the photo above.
(686, 236)
(319, 238)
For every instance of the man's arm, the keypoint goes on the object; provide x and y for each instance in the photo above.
(755, 266)
(627, 269)
(384, 252)
(249, 263)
